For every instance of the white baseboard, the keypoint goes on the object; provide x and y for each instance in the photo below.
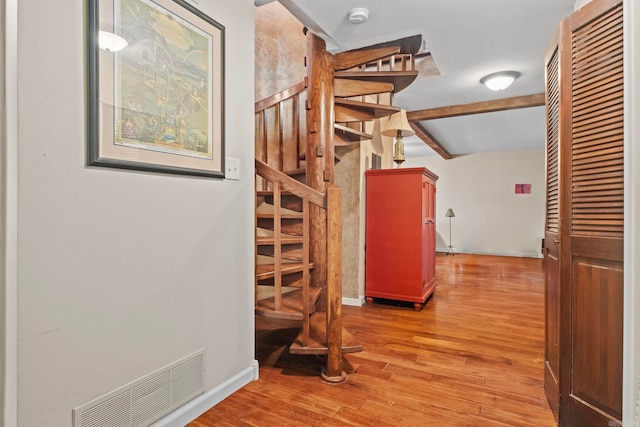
(529, 255)
(201, 404)
(256, 370)
(355, 302)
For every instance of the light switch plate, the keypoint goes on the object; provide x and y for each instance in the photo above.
(232, 168)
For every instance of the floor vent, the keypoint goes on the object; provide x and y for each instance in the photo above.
(147, 399)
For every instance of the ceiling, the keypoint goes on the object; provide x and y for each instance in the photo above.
(467, 39)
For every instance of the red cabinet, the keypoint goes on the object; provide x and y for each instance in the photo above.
(400, 236)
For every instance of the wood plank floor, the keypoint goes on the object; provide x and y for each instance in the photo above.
(472, 357)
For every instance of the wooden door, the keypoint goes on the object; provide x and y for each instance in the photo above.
(551, 236)
(431, 241)
(592, 314)
(428, 234)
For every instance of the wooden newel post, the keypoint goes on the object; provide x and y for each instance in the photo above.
(334, 371)
(320, 150)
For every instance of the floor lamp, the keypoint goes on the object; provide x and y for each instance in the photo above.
(450, 215)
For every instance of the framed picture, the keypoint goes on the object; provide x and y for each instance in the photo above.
(155, 87)
(523, 188)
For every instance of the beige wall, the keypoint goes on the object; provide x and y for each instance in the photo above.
(350, 176)
(280, 50)
(490, 218)
(122, 272)
(347, 177)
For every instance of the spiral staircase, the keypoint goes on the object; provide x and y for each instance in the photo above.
(298, 207)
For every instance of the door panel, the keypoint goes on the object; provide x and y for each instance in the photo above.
(552, 326)
(592, 291)
(551, 242)
(597, 342)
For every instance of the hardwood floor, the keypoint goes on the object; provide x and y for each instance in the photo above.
(472, 357)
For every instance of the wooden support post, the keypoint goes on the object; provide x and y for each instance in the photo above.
(320, 118)
(277, 245)
(334, 371)
(306, 277)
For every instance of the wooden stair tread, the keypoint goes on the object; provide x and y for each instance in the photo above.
(283, 215)
(293, 172)
(349, 111)
(399, 79)
(266, 208)
(317, 339)
(355, 58)
(351, 134)
(289, 202)
(267, 271)
(285, 240)
(366, 105)
(303, 156)
(346, 88)
(291, 308)
(289, 252)
(264, 193)
(289, 227)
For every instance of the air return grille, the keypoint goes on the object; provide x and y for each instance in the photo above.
(146, 400)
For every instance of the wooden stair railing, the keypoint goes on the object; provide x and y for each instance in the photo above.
(279, 129)
(324, 336)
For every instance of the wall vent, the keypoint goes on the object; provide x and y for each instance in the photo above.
(141, 402)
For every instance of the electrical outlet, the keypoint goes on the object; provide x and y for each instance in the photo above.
(232, 168)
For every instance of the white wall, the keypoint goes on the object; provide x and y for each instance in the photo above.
(121, 272)
(490, 218)
(631, 370)
(580, 3)
(8, 215)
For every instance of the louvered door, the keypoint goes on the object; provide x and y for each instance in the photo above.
(551, 240)
(592, 290)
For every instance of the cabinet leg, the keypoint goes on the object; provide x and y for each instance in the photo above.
(369, 300)
(417, 306)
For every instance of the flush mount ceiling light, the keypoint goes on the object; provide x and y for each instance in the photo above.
(111, 42)
(358, 15)
(500, 80)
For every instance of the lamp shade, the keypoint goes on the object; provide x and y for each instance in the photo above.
(398, 123)
(450, 213)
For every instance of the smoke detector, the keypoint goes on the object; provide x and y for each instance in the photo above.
(358, 15)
